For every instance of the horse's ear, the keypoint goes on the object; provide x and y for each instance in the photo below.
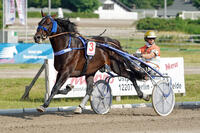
(53, 16)
(43, 14)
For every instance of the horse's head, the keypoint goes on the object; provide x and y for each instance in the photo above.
(46, 27)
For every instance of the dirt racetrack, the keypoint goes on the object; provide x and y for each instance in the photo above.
(137, 120)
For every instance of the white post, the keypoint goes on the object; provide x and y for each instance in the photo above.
(192, 15)
(183, 14)
(48, 92)
(156, 13)
(26, 18)
(118, 98)
(3, 23)
(49, 7)
(165, 8)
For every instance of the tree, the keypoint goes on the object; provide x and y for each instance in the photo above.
(81, 5)
(196, 3)
(0, 5)
(44, 3)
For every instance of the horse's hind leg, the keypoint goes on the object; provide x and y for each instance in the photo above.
(139, 92)
(89, 81)
(120, 69)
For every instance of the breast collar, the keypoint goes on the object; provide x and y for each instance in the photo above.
(68, 49)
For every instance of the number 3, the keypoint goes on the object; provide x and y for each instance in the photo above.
(91, 47)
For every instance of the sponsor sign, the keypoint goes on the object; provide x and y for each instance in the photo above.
(21, 8)
(174, 67)
(25, 53)
(9, 12)
(121, 86)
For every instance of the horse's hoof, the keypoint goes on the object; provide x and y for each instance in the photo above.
(41, 109)
(78, 110)
(146, 97)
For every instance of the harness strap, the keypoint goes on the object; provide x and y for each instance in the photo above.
(68, 49)
(84, 44)
(69, 43)
(55, 25)
(86, 57)
(62, 51)
(41, 27)
(85, 66)
(82, 40)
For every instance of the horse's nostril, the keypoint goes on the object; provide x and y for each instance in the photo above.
(38, 37)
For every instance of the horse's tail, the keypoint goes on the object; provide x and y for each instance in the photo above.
(102, 33)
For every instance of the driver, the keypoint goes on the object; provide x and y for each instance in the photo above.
(150, 52)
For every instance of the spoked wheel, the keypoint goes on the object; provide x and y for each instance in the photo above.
(101, 98)
(163, 98)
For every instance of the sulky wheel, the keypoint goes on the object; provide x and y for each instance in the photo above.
(101, 98)
(163, 98)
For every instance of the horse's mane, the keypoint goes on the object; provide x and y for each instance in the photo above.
(66, 25)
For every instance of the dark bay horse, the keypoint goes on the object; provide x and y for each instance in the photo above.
(70, 58)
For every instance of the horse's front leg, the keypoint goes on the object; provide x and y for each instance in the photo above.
(89, 81)
(60, 80)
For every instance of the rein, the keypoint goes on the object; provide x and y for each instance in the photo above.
(63, 33)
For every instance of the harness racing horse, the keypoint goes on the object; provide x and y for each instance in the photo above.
(70, 59)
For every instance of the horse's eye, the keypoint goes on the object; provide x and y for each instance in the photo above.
(48, 22)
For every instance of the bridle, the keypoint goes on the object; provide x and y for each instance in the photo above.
(53, 29)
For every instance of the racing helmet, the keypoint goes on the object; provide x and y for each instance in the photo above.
(150, 34)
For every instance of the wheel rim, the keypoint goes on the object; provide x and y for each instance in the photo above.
(163, 98)
(101, 98)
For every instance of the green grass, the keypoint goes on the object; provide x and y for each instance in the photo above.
(192, 84)
(20, 66)
(11, 91)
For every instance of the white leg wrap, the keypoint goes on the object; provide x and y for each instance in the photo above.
(78, 110)
(84, 101)
(146, 97)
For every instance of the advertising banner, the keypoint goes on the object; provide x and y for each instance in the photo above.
(25, 53)
(9, 12)
(173, 67)
(21, 8)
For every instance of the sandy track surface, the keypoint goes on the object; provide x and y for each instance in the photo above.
(138, 120)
